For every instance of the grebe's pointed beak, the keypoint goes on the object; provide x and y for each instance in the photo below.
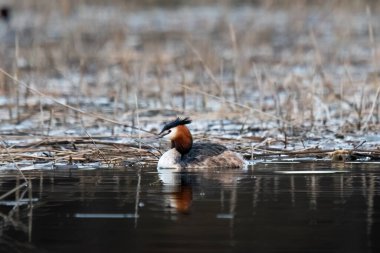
(161, 134)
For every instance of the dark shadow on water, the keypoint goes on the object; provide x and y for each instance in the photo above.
(306, 207)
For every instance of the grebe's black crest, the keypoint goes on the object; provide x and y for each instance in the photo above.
(175, 123)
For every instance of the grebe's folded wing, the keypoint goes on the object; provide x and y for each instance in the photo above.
(203, 150)
(208, 155)
(208, 148)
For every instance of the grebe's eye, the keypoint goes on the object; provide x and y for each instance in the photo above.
(164, 133)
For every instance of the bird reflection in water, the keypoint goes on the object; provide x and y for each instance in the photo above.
(182, 199)
(178, 186)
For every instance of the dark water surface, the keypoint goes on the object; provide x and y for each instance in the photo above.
(267, 208)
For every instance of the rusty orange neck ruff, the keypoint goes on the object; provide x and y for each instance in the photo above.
(183, 140)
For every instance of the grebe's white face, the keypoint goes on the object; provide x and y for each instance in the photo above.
(169, 134)
(172, 133)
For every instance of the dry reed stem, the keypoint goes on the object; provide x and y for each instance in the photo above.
(237, 104)
(93, 141)
(11, 156)
(371, 36)
(371, 112)
(235, 60)
(205, 67)
(75, 109)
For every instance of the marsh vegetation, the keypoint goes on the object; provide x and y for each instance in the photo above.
(87, 84)
(259, 76)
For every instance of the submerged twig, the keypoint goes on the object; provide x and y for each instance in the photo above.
(13, 160)
(14, 190)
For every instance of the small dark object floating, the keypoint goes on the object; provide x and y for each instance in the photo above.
(5, 13)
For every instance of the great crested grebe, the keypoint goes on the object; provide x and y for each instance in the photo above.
(186, 154)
